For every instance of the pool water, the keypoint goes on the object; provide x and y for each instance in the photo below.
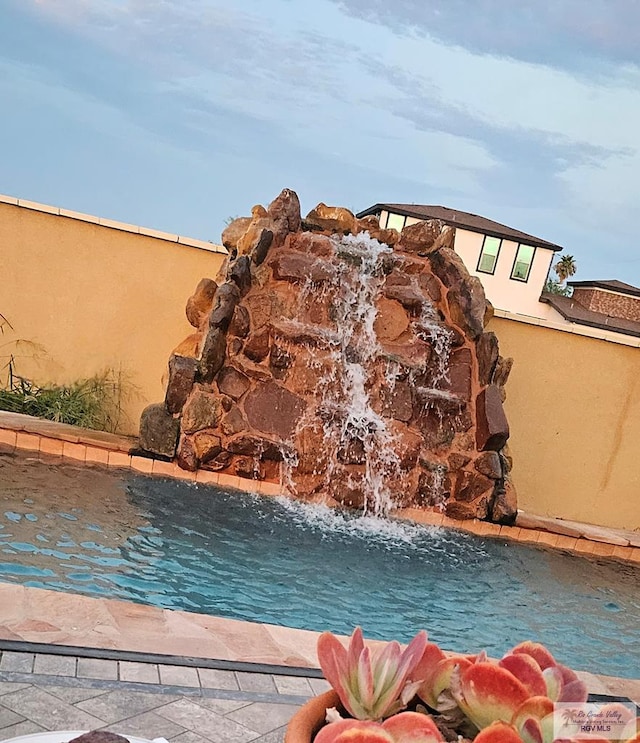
(176, 545)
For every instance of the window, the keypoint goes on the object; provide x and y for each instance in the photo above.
(522, 263)
(489, 254)
(395, 221)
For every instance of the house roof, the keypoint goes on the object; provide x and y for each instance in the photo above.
(465, 220)
(573, 311)
(612, 285)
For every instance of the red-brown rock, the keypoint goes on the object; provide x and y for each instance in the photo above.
(202, 410)
(257, 344)
(158, 430)
(233, 422)
(240, 273)
(504, 508)
(233, 382)
(200, 302)
(420, 237)
(492, 429)
(488, 463)
(234, 231)
(331, 219)
(206, 444)
(392, 320)
(312, 243)
(487, 354)
(182, 374)
(186, 455)
(213, 354)
(397, 402)
(371, 225)
(301, 267)
(255, 446)
(239, 325)
(469, 486)
(459, 374)
(286, 206)
(227, 297)
(271, 408)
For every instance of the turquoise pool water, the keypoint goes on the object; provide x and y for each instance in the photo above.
(175, 545)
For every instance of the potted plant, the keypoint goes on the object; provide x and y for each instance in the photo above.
(422, 695)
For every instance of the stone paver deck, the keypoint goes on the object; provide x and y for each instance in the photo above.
(186, 704)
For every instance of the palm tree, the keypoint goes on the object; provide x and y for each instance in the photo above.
(565, 267)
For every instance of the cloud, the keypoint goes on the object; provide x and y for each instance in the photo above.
(584, 37)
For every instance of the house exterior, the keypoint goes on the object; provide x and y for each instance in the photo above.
(512, 265)
(607, 305)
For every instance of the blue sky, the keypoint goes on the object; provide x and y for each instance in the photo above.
(177, 114)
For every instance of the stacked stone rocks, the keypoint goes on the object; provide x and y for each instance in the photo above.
(242, 394)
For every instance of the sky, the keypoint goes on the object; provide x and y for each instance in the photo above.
(180, 114)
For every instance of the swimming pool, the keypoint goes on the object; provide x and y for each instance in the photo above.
(176, 545)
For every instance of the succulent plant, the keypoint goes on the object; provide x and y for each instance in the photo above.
(371, 684)
(512, 700)
(405, 727)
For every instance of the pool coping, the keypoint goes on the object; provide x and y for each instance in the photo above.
(58, 442)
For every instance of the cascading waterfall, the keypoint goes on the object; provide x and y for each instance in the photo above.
(355, 370)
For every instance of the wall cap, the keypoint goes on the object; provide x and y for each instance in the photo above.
(569, 327)
(112, 224)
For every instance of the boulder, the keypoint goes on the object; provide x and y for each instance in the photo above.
(331, 219)
(200, 302)
(504, 508)
(420, 237)
(227, 297)
(272, 409)
(465, 295)
(294, 266)
(212, 355)
(397, 402)
(460, 372)
(260, 246)
(186, 456)
(202, 410)
(234, 231)
(487, 354)
(492, 429)
(240, 273)
(469, 486)
(255, 446)
(286, 207)
(312, 243)
(488, 463)
(232, 382)
(158, 431)
(207, 445)
(233, 422)
(392, 320)
(257, 344)
(371, 225)
(182, 375)
(240, 323)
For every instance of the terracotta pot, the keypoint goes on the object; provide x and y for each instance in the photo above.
(306, 722)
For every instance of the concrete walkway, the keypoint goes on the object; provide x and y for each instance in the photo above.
(44, 691)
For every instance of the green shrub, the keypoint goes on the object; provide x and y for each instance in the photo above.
(91, 403)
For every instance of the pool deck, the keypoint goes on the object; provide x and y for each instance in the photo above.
(74, 662)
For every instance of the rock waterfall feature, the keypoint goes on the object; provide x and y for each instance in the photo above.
(348, 362)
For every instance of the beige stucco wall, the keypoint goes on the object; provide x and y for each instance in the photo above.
(573, 405)
(95, 298)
